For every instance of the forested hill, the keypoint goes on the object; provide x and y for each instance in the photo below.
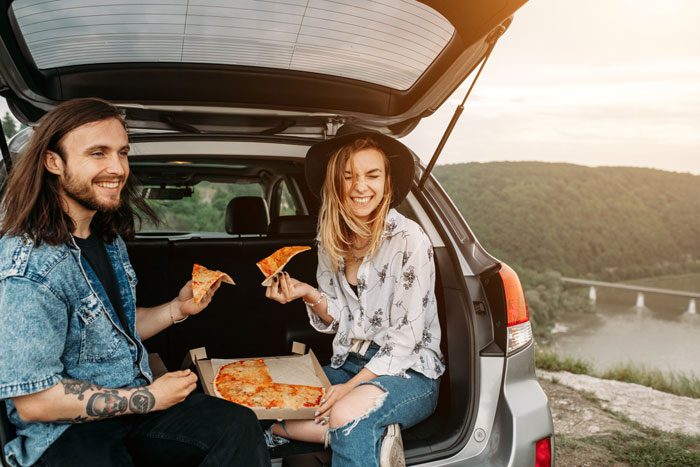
(606, 222)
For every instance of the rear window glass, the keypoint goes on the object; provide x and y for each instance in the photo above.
(204, 211)
(388, 42)
(287, 205)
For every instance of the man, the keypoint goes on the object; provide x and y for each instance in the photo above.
(73, 370)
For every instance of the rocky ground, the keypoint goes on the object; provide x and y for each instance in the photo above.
(609, 423)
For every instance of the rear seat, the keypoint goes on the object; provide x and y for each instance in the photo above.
(247, 215)
(292, 226)
(240, 321)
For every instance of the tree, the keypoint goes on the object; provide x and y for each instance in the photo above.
(9, 125)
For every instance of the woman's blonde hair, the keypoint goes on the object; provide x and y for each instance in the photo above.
(337, 224)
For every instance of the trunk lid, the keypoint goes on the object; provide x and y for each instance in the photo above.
(297, 67)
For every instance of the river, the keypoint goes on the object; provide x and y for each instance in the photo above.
(662, 334)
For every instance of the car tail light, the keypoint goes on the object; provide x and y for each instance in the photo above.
(543, 453)
(518, 315)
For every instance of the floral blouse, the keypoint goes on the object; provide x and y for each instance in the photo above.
(394, 307)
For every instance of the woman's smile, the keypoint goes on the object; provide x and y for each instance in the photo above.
(364, 178)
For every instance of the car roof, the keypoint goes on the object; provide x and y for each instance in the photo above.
(291, 67)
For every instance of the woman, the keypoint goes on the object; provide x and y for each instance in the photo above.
(376, 291)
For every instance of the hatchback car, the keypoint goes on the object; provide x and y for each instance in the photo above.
(222, 101)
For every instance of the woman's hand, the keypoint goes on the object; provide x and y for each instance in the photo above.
(184, 303)
(333, 395)
(284, 289)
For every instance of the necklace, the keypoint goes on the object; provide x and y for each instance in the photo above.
(356, 259)
(353, 252)
(358, 254)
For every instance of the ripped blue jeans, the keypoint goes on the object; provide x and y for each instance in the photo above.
(408, 401)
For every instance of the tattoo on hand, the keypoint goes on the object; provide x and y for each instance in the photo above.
(142, 401)
(78, 387)
(106, 404)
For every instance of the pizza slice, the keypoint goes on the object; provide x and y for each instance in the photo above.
(204, 279)
(248, 382)
(254, 371)
(277, 261)
(297, 396)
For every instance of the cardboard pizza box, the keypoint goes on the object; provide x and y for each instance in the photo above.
(298, 368)
(157, 366)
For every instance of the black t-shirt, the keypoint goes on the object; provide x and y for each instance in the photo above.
(93, 249)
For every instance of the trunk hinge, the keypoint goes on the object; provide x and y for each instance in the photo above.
(7, 159)
(491, 41)
(332, 125)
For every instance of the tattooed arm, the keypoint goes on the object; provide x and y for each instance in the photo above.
(72, 401)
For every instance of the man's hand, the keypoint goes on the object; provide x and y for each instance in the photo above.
(172, 388)
(184, 305)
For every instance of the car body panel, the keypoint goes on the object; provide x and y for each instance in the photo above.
(528, 406)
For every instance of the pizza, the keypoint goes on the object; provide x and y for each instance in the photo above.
(204, 279)
(248, 383)
(277, 260)
(254, 371)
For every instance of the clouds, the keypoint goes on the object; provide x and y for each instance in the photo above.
(639, 123)
(594, 83)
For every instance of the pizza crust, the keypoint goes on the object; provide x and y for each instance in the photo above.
(204, 279)
(274, 263)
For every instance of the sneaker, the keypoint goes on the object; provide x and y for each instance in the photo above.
(272, 440)
(391, 453)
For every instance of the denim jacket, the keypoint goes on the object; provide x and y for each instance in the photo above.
(57, 322)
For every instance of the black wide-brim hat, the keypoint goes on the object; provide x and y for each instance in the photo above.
(400, 160)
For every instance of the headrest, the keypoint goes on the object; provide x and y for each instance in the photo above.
(247, 215)
(292, 226)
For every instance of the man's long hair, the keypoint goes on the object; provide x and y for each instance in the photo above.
(337, 224)
(32, 202)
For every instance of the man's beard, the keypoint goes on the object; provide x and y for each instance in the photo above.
(84, 194)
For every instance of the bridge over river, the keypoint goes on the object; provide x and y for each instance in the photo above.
(640, 289)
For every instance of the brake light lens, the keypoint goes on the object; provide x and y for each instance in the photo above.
(518, 314)
(516, 306)
(543, 453)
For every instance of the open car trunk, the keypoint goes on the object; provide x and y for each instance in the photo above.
(242, 322)
(291, 67)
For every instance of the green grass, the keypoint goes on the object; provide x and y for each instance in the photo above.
(652, 448)
(636, 446)
(672, 382)
(581, 451)
(550, 361)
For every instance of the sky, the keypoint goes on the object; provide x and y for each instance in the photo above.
(591, 82)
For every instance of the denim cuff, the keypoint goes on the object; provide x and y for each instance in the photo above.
(10, 390)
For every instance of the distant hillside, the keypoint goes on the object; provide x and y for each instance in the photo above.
(607, 222)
